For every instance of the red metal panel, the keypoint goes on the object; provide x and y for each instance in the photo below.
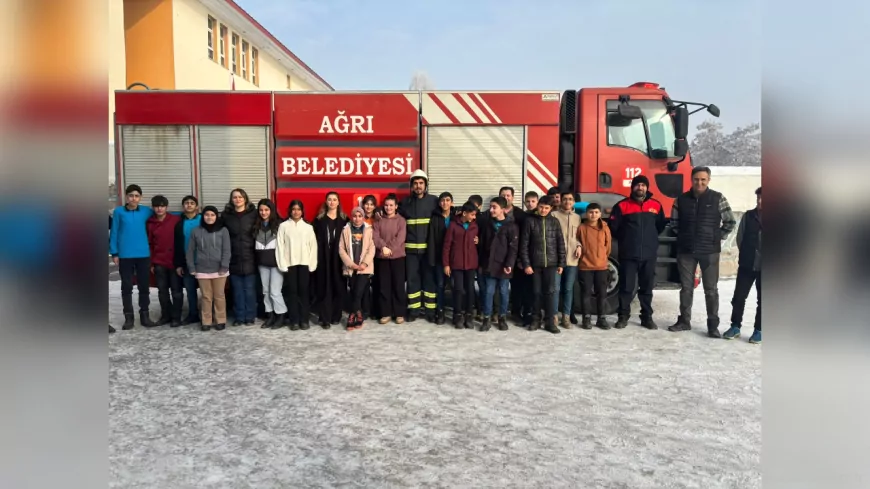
(474, 108)
(313, 197)
(190, 108)
(347, 116)
(374, 164)
(542, 158)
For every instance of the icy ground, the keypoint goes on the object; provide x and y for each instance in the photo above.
(419, 405)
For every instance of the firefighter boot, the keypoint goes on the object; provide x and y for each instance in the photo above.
(128, 321)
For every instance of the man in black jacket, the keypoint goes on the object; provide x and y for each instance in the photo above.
(748, 271)
(519, 280)
(417, 210)
(701, 219)
(542, 253)
(635, 223)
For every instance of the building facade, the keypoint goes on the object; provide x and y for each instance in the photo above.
(197, 45)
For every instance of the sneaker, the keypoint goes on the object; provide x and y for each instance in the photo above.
(566, 322)
(400, 320)
(755, 339)
(385, 320)
(680, 325)
(733, 332)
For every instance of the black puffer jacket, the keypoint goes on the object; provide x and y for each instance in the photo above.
(541, 242)
(240, 226)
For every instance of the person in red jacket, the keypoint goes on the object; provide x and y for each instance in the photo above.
(161, 241)
(459, 257)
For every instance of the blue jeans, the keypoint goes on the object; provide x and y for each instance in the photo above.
(489, 293)
(565, 289)
(439, 286)
(244, 296)
(190, 284)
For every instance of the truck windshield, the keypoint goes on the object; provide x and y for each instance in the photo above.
(659, 124)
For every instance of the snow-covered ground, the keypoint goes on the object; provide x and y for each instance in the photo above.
(419, 405)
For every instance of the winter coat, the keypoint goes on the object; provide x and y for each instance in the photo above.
(390, 232)
(161, 239)
(296, 245)
(417, 213)
(498, 249)
(597, 245)
(636, 227)
(749, 241)
(183, 229)
(240, 226)
(345, 250)
(265, 244)
(570, 224)
(437, 230)
(541, 243)
(460, 252)
(701, 223)
(209, 252)
(128, 237)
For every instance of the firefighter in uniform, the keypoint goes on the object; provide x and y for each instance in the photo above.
(417, 210)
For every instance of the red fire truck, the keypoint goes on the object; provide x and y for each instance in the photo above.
(299, 145)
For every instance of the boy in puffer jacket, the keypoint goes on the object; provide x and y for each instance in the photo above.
(542, 254)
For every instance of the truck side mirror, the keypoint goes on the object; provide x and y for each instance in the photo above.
(629, 111)
(681, 147)
(681, 122)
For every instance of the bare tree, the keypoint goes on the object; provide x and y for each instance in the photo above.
(711, 147)
(421, 81)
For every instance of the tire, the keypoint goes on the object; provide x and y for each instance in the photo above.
(612, 303)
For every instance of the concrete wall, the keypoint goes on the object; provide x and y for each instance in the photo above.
(738, 184)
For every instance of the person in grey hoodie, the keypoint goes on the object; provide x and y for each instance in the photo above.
(208, 259)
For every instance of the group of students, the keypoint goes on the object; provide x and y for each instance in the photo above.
(388, 260)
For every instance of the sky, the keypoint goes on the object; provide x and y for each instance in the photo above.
(700, 50)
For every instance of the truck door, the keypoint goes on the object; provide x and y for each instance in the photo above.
(158, 159)
(232, 157)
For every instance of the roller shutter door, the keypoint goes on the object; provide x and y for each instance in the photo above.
(468, 160)
(158, 159)
(232, 157)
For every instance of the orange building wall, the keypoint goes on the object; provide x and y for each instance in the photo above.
(149, 43)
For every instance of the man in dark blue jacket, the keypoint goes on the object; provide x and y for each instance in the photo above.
(748, 271)
(635, 224)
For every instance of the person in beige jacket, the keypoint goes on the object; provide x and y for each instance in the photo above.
(356, 248)
(296, 254)
(570, 223)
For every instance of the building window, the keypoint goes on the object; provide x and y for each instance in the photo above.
(255, 68)
(223, 46)
(211, 24)
(234, 53)
(245, 60)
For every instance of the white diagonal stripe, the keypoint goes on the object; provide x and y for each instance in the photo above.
(532, 170)
(432, 113)
(455, 107)
(414, 99)
(487, 108)
(483, 117)
(543, 167)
